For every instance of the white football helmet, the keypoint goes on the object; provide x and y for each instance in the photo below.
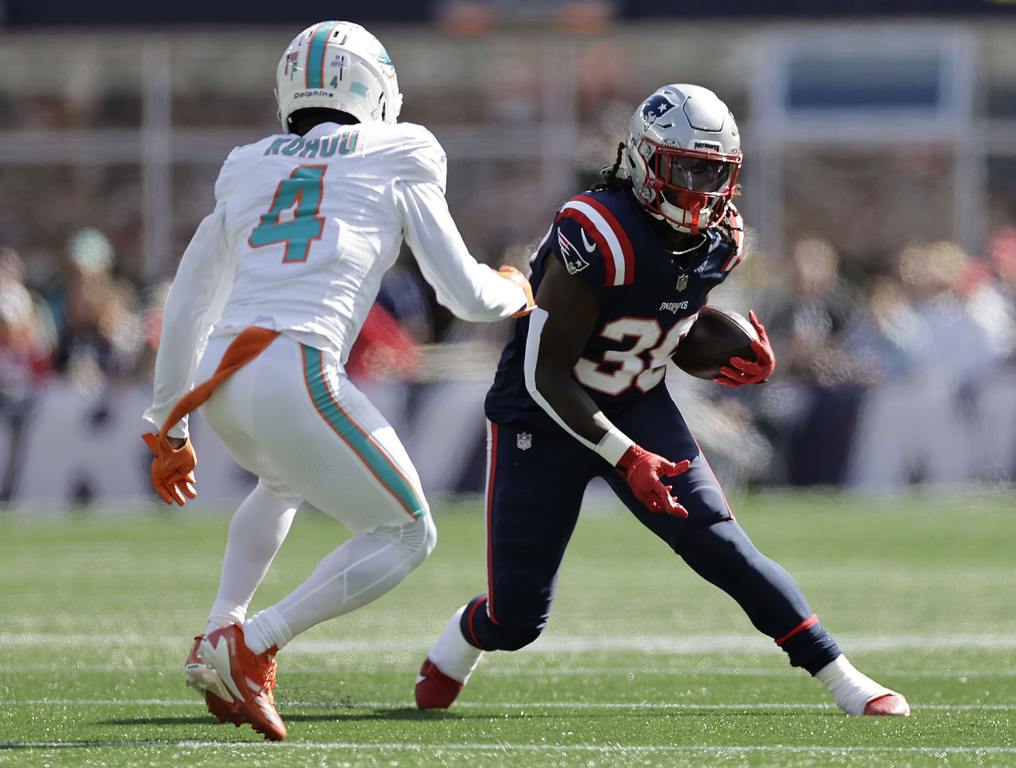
(338, 65)
(682, 156)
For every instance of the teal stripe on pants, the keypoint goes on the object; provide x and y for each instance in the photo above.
(355, 437)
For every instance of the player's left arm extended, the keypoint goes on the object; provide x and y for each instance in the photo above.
(559, 328)
(472, 291)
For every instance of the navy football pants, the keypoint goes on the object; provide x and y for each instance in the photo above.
(536, 480)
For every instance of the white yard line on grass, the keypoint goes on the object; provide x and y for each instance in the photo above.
(505, 747)
(514, 705)
(683, 644)
(509, 672)
(542, 672)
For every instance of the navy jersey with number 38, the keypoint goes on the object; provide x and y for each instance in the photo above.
(649, 297)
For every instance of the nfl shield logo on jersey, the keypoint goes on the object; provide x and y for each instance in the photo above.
(682, 283)
(524, 441)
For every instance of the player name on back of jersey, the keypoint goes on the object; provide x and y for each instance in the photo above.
(343, 143)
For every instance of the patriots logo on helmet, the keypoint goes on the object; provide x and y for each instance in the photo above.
(654, 108)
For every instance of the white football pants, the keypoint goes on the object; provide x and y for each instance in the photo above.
(294, 419)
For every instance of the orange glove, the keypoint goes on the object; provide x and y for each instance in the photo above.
(172, 469)
(513, 275)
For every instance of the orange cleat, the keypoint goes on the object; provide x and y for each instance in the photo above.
(206, 681)
(247, 680)
(888, 705)
(434, 689)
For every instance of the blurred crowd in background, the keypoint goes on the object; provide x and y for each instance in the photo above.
(934, 330)
(896, 345)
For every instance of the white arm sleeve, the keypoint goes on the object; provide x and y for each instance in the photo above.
(195, 302)
(472, 291)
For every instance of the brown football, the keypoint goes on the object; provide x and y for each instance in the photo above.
(716, 336)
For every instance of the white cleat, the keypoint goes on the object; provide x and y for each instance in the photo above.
(857, 694)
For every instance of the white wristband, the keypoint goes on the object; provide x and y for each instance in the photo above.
(613, 445)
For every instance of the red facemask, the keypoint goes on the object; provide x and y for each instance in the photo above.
(693, 180)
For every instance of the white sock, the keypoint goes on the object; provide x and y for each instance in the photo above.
(850, 688)
(224, 613)
(265, 629)
(358, 572)
(256, 532)
(452, 654)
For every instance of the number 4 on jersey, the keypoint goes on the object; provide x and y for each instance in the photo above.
(303, 189)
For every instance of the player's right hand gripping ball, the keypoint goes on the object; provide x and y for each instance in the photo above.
(643, 471)
(512, 275)
(740, 371)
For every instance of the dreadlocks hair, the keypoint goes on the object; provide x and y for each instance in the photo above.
(608, 175)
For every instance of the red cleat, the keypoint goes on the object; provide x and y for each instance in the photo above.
(888, 705)
(434, 689)
(247, 680)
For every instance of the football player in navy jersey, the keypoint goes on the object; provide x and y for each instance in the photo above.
(579, 393)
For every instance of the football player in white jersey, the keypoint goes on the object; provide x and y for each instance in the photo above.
(273, 288)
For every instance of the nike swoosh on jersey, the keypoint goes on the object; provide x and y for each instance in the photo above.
(590, 247)
(420, 679)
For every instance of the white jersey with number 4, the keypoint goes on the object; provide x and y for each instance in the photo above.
(303, 230)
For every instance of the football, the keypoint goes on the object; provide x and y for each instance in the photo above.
(716, 336)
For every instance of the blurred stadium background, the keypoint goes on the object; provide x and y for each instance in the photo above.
(879, 184)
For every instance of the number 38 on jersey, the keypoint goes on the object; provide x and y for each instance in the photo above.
(642, 365)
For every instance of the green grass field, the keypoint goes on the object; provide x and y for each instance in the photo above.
(642, 664)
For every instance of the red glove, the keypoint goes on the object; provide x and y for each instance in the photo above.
(740, 371)
(643, 472)
(172, 469)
